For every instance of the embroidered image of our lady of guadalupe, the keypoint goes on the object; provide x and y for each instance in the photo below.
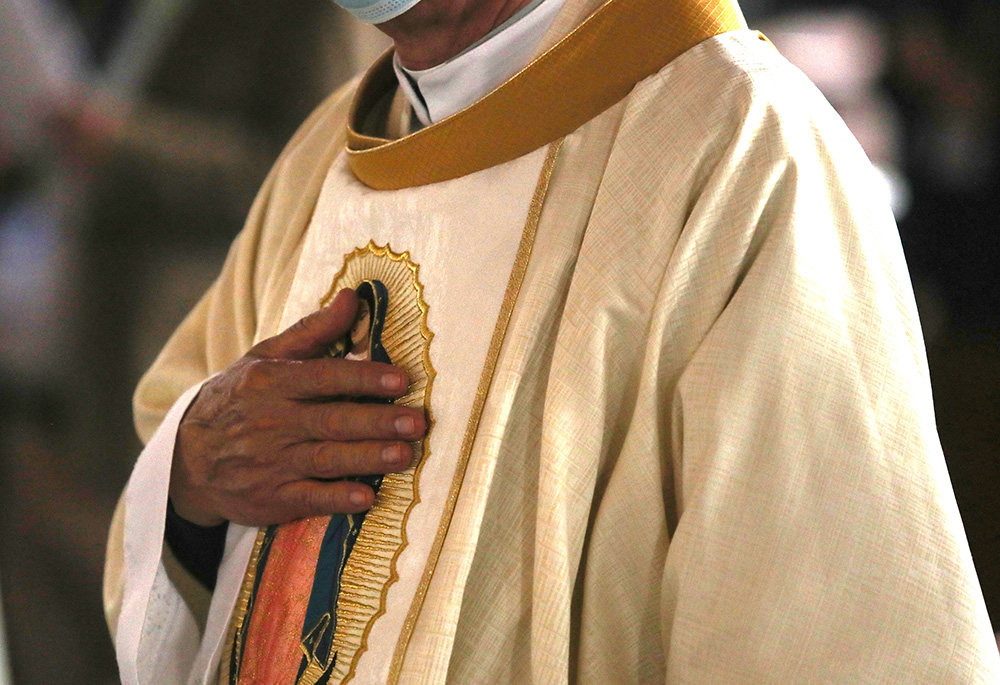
(315, 586)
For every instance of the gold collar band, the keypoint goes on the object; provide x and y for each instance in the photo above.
(595, 66)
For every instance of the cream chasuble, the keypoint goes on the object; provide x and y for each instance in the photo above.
(683, 428)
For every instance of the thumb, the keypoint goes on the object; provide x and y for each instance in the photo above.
(310, 336)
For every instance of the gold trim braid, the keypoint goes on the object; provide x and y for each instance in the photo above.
(231, 652)
(517, 274)
(592, 68)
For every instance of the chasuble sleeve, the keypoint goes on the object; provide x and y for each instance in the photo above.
(817, 537)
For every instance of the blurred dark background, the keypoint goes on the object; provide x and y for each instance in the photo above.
(133, 136)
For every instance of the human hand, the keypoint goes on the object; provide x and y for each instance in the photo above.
(260, 441)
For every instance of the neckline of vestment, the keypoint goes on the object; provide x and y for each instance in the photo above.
(593, 67)
(442, 90)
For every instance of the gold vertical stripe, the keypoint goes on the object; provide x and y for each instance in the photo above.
(517, 274)
(240, 610)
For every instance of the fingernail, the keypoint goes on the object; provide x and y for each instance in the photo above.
(393, 381)
(357, 497)
(393, 454)
(405, 424)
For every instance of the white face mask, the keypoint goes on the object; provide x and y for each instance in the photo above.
(376, 11)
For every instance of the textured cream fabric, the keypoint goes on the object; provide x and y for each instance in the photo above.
(708, 452)
(735, 471)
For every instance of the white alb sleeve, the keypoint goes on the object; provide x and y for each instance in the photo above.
(158, 640)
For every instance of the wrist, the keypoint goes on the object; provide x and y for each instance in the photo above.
(183, 495)
(195, 515)
(199, 549)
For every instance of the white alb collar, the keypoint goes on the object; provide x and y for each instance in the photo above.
(442, 90)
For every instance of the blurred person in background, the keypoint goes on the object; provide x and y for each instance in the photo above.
(701, 445)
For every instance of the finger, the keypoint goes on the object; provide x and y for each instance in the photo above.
(303, 498)
(327, 377)
(310, 336)
(339, 459)
(349, 421)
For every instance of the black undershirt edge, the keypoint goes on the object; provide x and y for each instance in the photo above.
(198, 548)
